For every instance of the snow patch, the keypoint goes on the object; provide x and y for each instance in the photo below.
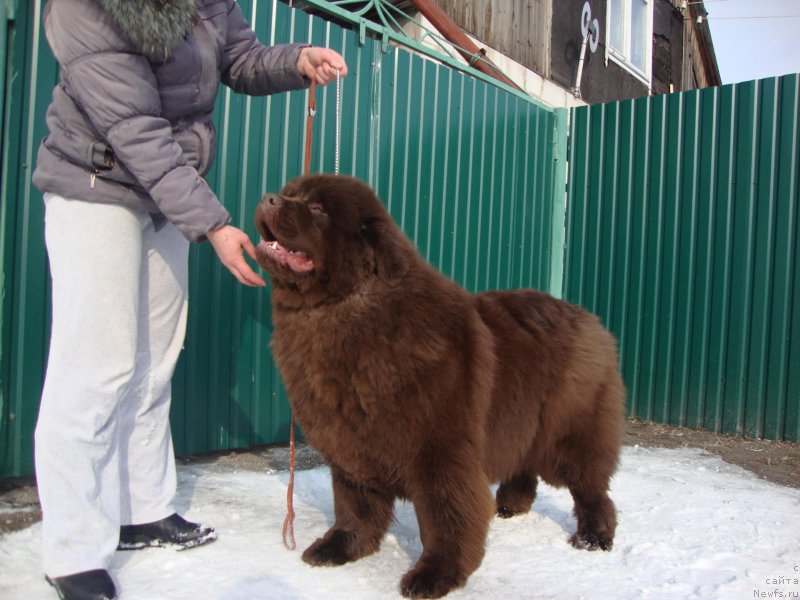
(690, 526)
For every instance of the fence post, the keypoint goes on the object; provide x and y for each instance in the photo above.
(6, 18)
(560, 133)
(6, 77)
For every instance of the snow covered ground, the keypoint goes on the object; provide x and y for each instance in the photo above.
(690, 526)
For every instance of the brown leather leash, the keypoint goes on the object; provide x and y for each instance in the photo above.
(312, 110)
(288, 522)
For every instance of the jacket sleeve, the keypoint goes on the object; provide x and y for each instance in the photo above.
(116, 89)
(251, 68)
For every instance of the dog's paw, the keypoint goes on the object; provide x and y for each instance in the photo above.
(425, 582)
(589, 541)
(329, 551)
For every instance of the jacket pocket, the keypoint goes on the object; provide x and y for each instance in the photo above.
(103, 163)
(101, 157)
(197, 143)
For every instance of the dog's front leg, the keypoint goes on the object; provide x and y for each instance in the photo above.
(454, 506)
(362, 516)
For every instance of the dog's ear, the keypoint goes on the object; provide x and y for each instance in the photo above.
(391, 254)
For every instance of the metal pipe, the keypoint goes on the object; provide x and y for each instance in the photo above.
(576, 90)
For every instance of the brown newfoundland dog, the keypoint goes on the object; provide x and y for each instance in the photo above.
(413, 388)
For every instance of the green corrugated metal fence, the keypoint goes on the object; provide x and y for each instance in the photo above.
(682, 233)
(681, 228)
(468, 169)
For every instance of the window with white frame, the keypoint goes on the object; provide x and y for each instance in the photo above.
(629, 35)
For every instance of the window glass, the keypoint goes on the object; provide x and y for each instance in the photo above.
(617, 24)
(639, 37)
(628, 35)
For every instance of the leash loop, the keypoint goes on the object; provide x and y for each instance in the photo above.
(288, 522)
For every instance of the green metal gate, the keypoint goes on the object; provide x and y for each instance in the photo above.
(682, 233)
(24, 306)
(469, 169)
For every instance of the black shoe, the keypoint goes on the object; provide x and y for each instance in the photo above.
(88, 585)
(171, 531)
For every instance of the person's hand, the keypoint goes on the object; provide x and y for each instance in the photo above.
(228, 243)
(320, 64)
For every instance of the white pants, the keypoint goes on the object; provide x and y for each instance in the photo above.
(103, 446)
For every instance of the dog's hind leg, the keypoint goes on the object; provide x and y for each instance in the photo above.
(586, 473)
(585, 460)
(589, 461)
(362, 516)
(515, 496)
(597, 519)
(585, 467)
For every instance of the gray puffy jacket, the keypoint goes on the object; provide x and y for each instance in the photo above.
(131, 118)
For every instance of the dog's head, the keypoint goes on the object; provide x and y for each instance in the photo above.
(325, 235)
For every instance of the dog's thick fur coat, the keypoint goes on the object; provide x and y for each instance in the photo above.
(414, 388)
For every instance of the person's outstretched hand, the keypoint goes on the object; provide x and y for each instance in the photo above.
(228, 242)
(320, 64)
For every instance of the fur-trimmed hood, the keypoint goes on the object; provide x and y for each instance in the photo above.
(152, 26)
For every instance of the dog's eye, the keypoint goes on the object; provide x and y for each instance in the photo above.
(317, 209)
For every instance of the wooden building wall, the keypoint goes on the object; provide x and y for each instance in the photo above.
(545, 36)
(520, 29)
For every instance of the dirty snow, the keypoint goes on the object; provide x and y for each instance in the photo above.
(690, 526)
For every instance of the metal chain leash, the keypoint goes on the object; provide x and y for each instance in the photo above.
(337, 125)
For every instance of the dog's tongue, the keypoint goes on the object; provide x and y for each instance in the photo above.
(296, 261)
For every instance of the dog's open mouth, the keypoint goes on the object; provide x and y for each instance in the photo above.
(293, 259)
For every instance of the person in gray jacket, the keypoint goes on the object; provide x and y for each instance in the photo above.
(130, 139)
